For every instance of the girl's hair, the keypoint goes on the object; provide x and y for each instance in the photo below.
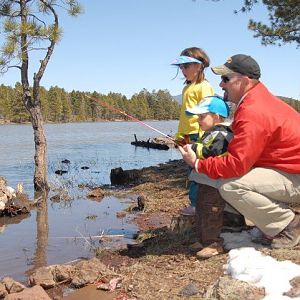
(199, 54)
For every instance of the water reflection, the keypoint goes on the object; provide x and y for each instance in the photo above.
(42, 232)
(52, 233)
(6, 221)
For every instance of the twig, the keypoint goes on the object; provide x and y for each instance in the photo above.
(93, 236)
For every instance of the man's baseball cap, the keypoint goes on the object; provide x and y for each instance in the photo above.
(239, 63)
(212, 104)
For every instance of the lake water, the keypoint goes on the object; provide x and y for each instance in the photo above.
(62, 232)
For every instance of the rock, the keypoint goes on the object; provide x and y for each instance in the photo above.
(3, 291)
(34, 293)
(189, 290)
(2, 182)
(12, 286)
(42, 276)
(17, 205)
(62, 272)
(65, 161)
(227, 288)
(295, 290)
(60, 172)
(96, 193)
(88, 272)
(10, 192)
(2, 205)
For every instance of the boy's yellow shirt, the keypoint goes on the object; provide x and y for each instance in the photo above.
(192, 94)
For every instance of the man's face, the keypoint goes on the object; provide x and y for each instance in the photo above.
(234, 86)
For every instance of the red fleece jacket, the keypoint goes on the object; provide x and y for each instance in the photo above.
(266, 134)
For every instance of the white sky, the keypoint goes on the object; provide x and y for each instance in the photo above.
(124, 46)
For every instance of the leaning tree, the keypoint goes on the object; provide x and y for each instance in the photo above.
(30, 26)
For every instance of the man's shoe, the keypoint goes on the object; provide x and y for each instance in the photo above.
(258, 237)
(289, 237)
(210, 251)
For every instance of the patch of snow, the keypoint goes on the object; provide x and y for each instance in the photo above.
(250, 265)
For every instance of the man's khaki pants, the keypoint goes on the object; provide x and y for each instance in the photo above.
(261, 195)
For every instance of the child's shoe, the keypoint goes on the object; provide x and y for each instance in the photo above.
(210, 251)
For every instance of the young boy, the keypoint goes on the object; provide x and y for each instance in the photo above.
(212, 112)
(206, 203)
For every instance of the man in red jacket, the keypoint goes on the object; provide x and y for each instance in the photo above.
(260, 175)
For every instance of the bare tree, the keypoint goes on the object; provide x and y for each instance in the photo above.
(28, 26)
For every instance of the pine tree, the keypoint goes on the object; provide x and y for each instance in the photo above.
(32, 26)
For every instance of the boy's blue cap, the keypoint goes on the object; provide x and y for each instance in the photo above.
(212, 104)
(185, 60)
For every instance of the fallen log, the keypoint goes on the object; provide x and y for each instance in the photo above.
(149, 144)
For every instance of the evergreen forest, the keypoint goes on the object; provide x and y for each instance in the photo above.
(59, 106)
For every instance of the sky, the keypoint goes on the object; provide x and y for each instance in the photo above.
(124, 46)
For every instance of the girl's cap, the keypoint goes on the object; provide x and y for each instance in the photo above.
(185, 60)
(212, 104)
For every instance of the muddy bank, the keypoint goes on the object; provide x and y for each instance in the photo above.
(161, 265)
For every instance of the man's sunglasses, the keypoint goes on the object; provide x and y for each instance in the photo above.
(225, 79)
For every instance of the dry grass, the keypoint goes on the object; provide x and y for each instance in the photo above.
(161, 264)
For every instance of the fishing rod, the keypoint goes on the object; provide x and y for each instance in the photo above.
(112, 108)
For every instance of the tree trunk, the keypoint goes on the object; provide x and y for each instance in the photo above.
(40, 157)
(40, 179)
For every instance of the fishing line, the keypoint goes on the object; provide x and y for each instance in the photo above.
(112, 108)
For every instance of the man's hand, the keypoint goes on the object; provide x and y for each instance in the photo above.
(188, 155)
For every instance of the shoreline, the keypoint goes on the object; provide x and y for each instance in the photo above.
(160, 265)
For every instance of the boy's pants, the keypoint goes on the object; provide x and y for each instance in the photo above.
(261, 196)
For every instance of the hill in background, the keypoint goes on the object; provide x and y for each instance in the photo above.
(177, 98)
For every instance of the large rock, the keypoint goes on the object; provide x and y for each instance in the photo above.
(3, 291)
(34, 293)
(227, 288)
(62, 272)
(12, 286)
(42, 276)
(295, 290)
(88, 272)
